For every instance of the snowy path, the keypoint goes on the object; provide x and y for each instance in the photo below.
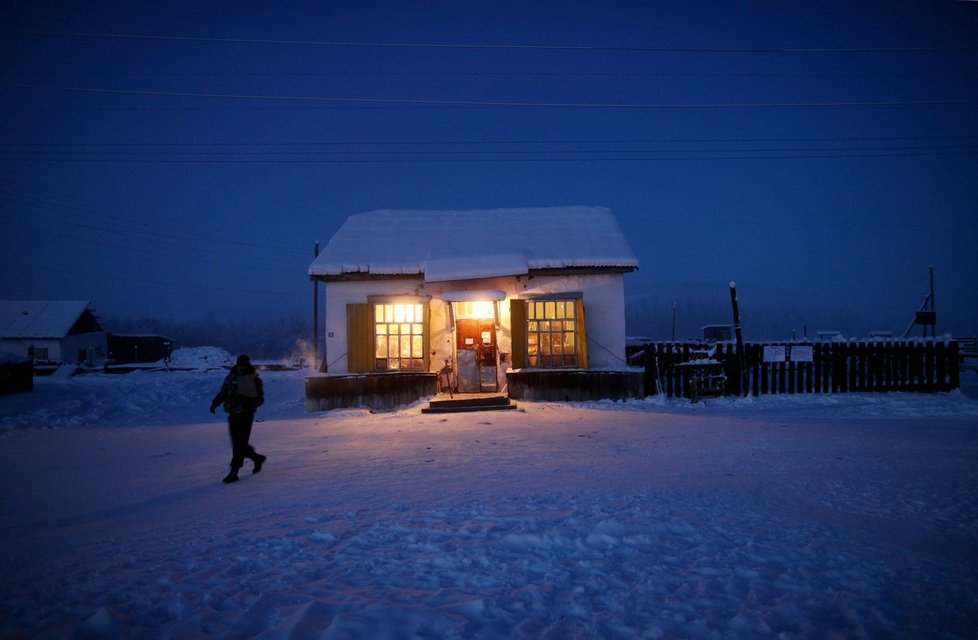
(724, 521)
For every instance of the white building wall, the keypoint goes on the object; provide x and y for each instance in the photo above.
(21, 346)
(604, 308)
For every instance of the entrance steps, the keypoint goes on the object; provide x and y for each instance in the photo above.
(475, 402)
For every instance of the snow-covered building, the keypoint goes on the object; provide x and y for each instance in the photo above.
(52, 331)
(499, 296)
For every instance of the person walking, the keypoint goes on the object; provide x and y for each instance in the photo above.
(241, 394)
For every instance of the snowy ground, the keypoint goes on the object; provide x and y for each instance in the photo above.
(785, 517)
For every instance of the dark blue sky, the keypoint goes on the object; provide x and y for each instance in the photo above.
(177, 158)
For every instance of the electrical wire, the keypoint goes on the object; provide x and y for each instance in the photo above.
(501, 103)
(496, 46)
(181, 285)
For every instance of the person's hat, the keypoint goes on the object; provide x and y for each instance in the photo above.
(243, 361)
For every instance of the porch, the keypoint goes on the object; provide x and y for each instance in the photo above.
(376, 391)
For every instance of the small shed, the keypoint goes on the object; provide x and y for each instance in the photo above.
(496, 301)
(52, 331)
(127, 348)
(16, 373)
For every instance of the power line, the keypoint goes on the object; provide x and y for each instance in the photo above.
(482, 141)
(181, 285)
(105, 243)
(728, 155)
(489, 46)
(47, 198)
(502, 103)
(192, 155)
(478, 74)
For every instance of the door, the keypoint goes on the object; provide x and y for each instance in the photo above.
(476, 351)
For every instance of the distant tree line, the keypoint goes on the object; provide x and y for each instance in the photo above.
(265, 339)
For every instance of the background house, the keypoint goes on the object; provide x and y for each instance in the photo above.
(52, 331)
(493, 294)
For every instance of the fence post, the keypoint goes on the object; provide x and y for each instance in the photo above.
(953, 365)
(929, 368)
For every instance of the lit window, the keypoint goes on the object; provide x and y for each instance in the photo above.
(551, 336)
(398, 337)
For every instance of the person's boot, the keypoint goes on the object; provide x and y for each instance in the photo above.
(232, 476)
(259, 460)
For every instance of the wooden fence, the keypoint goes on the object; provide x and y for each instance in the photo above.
(678, 369)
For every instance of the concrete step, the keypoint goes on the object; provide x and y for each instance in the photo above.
(462, 405)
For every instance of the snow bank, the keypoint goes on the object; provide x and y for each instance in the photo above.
(11, 358)
(200, 358)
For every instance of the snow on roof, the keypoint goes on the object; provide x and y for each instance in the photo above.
(460, 245)
(39, 318)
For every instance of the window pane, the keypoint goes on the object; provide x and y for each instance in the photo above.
(381, 347)
(417, 347)
(569, 342)
(381, 330)
(406, 347)
(394, 345)
(417, 329)
(378, 313)
(388, 313)
(380, 364)
(551, 336)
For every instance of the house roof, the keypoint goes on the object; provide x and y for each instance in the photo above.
(459, 245)
(39, 318)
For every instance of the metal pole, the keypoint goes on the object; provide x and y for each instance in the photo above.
(673, 321)
(933, 327)
(315, 313)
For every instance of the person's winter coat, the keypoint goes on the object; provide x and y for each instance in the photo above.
(242, 391)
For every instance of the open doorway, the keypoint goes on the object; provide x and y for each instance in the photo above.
(476, 349)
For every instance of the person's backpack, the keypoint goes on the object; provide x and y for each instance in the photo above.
(244, 392)
(247, 385)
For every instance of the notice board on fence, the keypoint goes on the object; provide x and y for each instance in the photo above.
(802, 353)
(782, 353)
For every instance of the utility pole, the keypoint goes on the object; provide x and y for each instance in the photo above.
(741, 359)
(315, 313)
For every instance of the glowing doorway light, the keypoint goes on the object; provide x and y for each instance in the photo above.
(482, 309)
(475, 310)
